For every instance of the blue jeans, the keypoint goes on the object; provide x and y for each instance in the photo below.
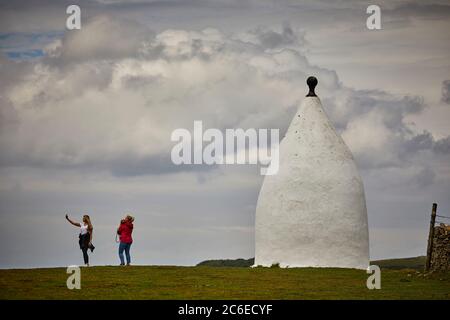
(124, 247)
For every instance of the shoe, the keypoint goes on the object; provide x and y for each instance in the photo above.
(122, 264)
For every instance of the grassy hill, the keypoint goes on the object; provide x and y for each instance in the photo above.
(241, 263)
(416, 263)
(170, 282)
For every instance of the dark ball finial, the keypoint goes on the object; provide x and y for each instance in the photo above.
(312, 83)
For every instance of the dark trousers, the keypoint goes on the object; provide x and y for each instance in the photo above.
(85, 255)
(84, 246)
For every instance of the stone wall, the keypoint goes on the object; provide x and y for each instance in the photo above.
(440, 258)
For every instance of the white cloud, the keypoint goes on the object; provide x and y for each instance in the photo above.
(127, 91)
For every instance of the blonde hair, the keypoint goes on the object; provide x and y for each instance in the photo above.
(87, 220)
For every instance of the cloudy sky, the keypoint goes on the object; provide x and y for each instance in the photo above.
(86, 117)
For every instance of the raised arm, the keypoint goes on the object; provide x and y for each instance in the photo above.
(76, 224)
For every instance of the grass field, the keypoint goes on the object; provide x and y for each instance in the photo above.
(166, 282)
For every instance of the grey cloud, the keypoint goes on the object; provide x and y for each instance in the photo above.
(104, 37)
(158, 165)
(272, 39)
(442, 146)
(50, 15)
(8, 115)
(426, 141)
(446, 91)
(422, 10)
(419, 142)
(360, 102)
(425, 177)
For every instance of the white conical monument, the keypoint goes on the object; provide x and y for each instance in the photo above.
(312, 213)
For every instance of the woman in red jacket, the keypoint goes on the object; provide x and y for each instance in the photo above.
(124, 231)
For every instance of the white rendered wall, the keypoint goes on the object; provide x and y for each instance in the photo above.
(312, 213)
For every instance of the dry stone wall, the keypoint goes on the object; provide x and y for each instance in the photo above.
(440, 258)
